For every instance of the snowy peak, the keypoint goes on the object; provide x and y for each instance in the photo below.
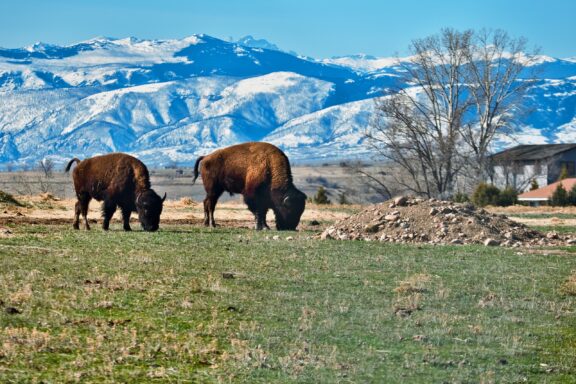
(249, 41)
(172, 100)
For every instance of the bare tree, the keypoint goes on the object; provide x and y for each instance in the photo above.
(375, 181)
(47, 166)
(495, 78)
(463, 89)
(418, 127)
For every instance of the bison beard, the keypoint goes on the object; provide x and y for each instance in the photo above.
(261, 173)
(119, 180)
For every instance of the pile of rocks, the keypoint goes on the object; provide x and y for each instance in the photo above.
(415, 220)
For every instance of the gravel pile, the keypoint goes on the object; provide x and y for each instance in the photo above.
(415, 220)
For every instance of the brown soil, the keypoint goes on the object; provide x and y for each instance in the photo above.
(48, 210)
(412, 220)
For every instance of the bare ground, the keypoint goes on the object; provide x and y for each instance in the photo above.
(47, 209)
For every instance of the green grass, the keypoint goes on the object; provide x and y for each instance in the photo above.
(156, 307)
(562, 229)
(543, 215)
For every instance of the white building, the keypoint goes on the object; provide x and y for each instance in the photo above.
(517, 167)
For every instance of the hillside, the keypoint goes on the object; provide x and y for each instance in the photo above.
(171, 100)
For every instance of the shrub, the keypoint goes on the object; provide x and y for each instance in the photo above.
(559, 197)
(563, 173)
(321, 196)
(508, 196)
(485, 194)
(7, 198)
(343, 199)
(534, 185)
(460, 197)
(572, 195)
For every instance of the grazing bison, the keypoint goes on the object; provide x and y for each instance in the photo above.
(261, 173)
(118, 180)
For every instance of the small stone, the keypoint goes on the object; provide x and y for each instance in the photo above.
(275, 237)
(391, 217)
(325, 235)
(13, 311)
(456, 241)
(552, 235)
(571, 242)
(400, 201)
(371, 228)
(289, 238)
(228, 275)
(433, 212)
(491, 242)
(419, 338)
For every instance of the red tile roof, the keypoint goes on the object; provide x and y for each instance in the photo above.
(546, 192)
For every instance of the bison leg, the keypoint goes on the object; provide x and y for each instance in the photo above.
(77, 211)
(209, 206)
(108, 209)
(259, 211)
(82, 205)
(126, 212)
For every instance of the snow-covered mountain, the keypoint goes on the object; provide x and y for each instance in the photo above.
(169, 101)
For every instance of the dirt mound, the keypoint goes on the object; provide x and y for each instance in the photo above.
(414, 220)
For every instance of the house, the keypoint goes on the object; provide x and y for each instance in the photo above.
(544, 194)
(518, 166)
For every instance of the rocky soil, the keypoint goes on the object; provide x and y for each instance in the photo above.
(415, 220)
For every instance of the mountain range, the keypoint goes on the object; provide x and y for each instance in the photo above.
(169, 101)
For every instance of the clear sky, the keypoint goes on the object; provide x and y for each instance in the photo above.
(317, 28)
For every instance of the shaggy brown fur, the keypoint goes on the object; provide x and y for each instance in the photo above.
(119, 180)
(261, 173)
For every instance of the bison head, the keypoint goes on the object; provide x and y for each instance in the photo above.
(288, 208)
(149, 208)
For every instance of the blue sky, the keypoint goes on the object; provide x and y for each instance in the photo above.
(314, 28)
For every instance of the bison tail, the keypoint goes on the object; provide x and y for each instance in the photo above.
(196, 166)
(70, 164)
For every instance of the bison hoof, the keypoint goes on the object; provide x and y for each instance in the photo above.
(127, 229)
(76, 226)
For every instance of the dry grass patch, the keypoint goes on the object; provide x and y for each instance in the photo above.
(569, 287)
(186, 201)
(417, 283)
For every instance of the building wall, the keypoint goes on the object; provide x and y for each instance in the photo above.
(520, 176)
(555, 166)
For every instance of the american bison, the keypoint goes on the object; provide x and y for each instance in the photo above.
(119, 180)
(261, 173)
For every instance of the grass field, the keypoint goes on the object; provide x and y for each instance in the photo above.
(189, 304)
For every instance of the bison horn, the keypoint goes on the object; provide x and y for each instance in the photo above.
(286, 199)
(138, 199)
(164, 198)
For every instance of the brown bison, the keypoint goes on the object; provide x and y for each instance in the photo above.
(261, 173)
(119, 180)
